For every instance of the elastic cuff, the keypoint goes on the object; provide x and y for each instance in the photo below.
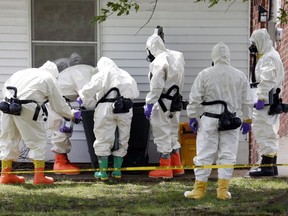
(247, 121)
(39, 163)
(175, 150)
(103, 157)
(165, 156)
(6, 164)
(271, 155)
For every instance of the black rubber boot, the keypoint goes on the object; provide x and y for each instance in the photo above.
(263, 170)
(275, 167)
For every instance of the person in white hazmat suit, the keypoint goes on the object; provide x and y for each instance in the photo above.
(269, 73)
(34, 86)
(165, 72)
(226, 83)
(110, 112)
(70, 81)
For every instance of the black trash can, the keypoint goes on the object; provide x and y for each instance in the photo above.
(137, 154)
(88, 125)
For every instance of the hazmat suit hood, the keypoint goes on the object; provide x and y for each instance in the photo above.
(262, 40)
(51, 68)
(220, 53)
(155, 44)
(106, 64)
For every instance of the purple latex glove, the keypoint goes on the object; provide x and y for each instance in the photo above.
(259, 105)
(76, 116)
(193, 124)
(245, 128)
(67, 126)
(79, 101)
(65, 129)
(148, 110)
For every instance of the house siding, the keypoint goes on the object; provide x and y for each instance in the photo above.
(14, 37)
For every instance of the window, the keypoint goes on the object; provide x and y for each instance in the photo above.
(61, 27)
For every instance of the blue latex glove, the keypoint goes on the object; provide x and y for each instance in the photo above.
(245, 128)
(148, 110)
(259, 105)
(79, 101)
(76, 116)
(193, 124)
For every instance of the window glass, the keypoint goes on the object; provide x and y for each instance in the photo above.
(53, 52)
(63, 20)
(60, 28)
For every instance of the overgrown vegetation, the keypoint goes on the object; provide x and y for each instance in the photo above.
(266, 196)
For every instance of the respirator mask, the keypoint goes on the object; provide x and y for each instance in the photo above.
(276, 104)
(253, 48)
(122, 105)
(228, 121)
(13, 105)
(150, 57)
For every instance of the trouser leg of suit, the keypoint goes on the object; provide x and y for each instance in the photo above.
(175, 155)
(227, 152)
(174, 130)
(265, 129)
(32, 132)
(9, 138)
(9, 150)
(124, 126)
(104, 131)
(211, 142)
(162, 130)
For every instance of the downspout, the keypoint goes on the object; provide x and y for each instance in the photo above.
(274, 6)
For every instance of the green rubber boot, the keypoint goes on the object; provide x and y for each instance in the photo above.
(103, 164)
(117, 164)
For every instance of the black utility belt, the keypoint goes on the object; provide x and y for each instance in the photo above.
(120, 104)
(218, 116)
(108, 100)
(13, 106)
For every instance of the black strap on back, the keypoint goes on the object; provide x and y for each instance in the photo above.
(16, 100)
(104, 99)
(214, 115)
(167, 96)
(38, 108)
(205, 103)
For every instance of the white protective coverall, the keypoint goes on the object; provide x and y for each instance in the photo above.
(70, 81)
(105, 121)
(166, 70)
(38, 84)
(269, 73)
(220, 82)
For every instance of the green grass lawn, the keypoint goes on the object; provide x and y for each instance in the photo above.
(265, 196)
